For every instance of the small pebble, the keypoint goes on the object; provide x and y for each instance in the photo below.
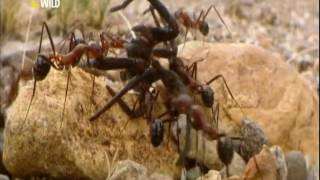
(4, 177)
(297, 166)
(254, 139)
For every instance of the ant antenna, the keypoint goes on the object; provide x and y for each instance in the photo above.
(200, 15)
(205, 16)
(65, 97)
(222, 20)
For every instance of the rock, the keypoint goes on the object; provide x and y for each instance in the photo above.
(8, 92)
(261, 166)
(193, 173)
(236, 168)
(205, 151)
(3, 169)
(297, 167)
(15, 62)
(253, 139)
(157, 176)
(76, 148)
(130, 170)
(211, 175)
(4, 177)
(269, 90)
(282, 170)
(127, 170)
(311, 78)
(201, 149)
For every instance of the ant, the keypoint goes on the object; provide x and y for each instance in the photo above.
(139, 52)
(189, 74)
(189, 23)
(189, 77)
(182, 102)
(43, 63)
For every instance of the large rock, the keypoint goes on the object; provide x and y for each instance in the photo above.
(268, 89)
(75, 147)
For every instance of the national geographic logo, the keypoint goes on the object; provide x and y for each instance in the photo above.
(45, 4)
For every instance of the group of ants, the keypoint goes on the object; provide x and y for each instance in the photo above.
(141, 69)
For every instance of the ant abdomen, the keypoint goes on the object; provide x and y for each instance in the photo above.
(157, 131)
(207, 96)
(225, 151)
(41, 68)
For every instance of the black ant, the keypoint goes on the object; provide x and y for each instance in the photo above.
(139, 52)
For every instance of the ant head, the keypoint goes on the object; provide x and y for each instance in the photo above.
(42, 67)
(156, 131)
(204, 28)
(207, 96)
(182, 103)
(225, 149)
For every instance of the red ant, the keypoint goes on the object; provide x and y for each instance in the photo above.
(77, 49)
(190, 23)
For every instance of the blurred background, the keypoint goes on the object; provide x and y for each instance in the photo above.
(288, 27)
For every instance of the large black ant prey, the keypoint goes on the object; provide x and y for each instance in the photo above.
(139, 50)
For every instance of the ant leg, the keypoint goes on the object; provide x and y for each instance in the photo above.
(65, 97)
(161, 52)
(131, 84)
(112, 63)
(194, 68)
(132, 113)
(93, 86)
(121, 6)
(220, 76)
(72, 44)
(185, 39)
(154, 16)
(164, 53)
(33, 93)
(215, 115)
(165, 14)
(165, 33)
